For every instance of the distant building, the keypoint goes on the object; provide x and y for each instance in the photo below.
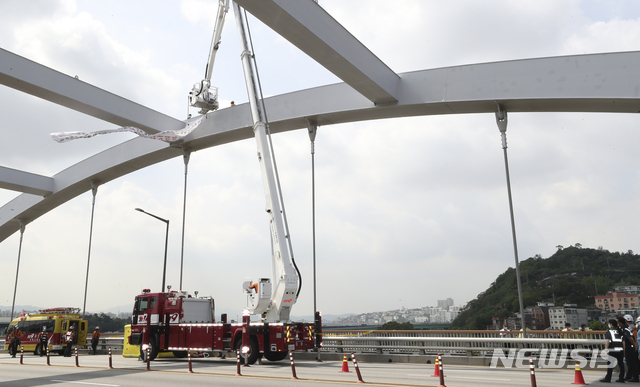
(635, 289)
(498, 323)
(568, 313)
(540, 316)
(444, 304)
(612, 302)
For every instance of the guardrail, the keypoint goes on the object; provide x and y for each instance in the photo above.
(465, 343)
(469, 343)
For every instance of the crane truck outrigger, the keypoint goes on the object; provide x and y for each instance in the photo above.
(175, 321)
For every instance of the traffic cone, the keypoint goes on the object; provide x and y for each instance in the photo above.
(437, 371)
(578, 378)
(345, 364)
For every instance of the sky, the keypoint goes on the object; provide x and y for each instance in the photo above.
(409, 210)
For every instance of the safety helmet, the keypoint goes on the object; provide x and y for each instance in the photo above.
(628, 317)
(97, 328)
(44, 329)
(638, 319)
(71, 328)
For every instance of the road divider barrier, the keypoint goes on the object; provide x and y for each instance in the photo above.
(238, 373)
(293, 366)
(355, 364)
(441, 370)
(532, 370)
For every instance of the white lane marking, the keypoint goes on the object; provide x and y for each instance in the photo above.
(460, 377)
(87, 383)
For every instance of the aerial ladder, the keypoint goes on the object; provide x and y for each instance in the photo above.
(272, 301)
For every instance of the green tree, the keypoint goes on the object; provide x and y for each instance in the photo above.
(573, 274)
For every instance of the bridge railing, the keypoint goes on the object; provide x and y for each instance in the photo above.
(469, 343)
(466, 343)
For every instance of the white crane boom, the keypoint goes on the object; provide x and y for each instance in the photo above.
(272, 304)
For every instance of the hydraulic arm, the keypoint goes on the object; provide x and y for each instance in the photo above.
(272, 301)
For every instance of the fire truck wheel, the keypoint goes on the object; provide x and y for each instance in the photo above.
(275, 356)
(254, 349)
(153, 350)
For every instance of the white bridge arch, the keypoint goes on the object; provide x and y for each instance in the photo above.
(583, 83)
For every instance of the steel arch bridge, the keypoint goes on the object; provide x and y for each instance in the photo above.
(369, 91)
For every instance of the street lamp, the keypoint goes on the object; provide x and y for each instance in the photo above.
(166, 242)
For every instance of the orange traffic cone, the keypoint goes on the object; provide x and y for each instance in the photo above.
(437, 371)
(578, 378)
(345, 364)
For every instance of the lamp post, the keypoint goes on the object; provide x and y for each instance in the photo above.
(166, 242)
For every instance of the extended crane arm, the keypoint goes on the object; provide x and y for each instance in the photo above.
(203, 95)
(274, 304)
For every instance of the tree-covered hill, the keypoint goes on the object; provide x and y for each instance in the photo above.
(572, 275)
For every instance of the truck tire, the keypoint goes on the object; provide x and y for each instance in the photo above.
(153, 350)
(275, 356)
(254, 349)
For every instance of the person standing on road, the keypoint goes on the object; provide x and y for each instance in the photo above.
(614, 348)
(69, 336)
(43, 338)
(14, 336)
(504, 334)
(94, 339)
(630, 350)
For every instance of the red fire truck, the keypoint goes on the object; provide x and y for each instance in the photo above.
(178, 322)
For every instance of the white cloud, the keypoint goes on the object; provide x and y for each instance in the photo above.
(606, 36)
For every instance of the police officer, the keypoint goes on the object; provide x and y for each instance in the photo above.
(44, 339)
(69, 339)
(614, 348)
(630, 350)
